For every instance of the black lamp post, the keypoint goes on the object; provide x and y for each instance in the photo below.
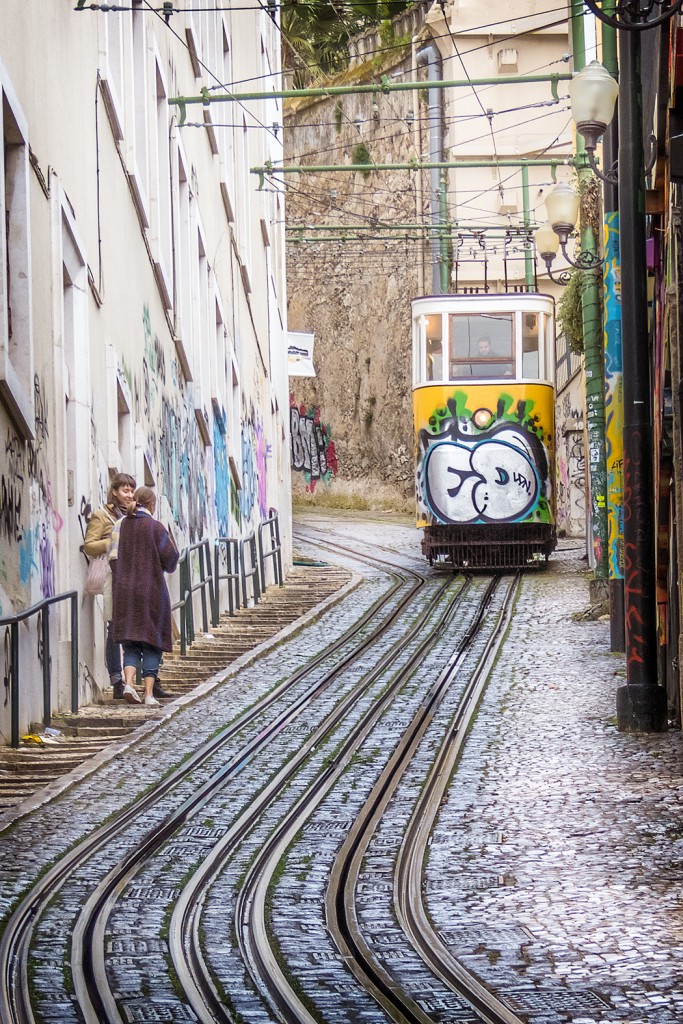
(641, 703)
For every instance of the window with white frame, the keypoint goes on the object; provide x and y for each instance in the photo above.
(219, 361)
(138, 147)
(112, 68)
(183, 269)
(16, 326)
(193, 35)
(202, 342)
(234, 438)
(75, 350)
(226, 133)
(244, 194)
(161, 194)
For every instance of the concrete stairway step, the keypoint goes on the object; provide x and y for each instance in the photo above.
(30, 768)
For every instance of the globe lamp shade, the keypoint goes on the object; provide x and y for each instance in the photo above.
(593, 93)
(547, 242)
(562, 205)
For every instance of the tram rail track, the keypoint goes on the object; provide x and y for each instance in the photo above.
(251, 925)
(188, 961)
(15, 1001)
(408, 900)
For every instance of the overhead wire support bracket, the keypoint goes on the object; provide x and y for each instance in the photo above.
(384, 86)
(269, 168)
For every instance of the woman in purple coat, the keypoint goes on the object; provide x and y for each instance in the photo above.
(141, 552)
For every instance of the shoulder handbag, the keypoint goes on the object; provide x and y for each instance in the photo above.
(98, 570)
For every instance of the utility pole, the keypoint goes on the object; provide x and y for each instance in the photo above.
(592, 337)
(641, 703)
(614, 393)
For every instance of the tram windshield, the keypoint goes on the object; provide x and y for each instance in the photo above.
(483, 345)
(487, 338)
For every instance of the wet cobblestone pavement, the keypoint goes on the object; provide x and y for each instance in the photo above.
(553, 874)
(561, 845)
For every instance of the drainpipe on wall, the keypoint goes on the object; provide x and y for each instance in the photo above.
(429, 55)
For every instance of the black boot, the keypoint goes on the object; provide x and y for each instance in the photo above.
(117, 687)
(159, 692)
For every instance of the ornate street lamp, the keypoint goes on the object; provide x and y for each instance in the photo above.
(562, 205)
(636, 15)
(548, 246)
(594, 93)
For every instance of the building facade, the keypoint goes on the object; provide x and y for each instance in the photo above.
(352, 287)
(142, 297)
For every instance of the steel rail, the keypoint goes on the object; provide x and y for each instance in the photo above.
(89, 974)
(340, 899)
(408, 894)
(184, 942)
(15, 1002)
(250, 914)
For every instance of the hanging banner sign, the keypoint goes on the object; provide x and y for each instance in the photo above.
(300, 354)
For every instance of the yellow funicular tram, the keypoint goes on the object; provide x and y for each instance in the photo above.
(484, 421)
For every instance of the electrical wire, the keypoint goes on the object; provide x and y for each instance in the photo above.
(474, 30)
(201, 63)
(449, 123)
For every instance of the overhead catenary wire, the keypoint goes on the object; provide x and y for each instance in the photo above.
(475, 29)
(383, 49)
(447, 124)
(183, 43)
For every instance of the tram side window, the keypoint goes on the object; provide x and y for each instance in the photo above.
(482, 346)
(434, 348)
(530, 346)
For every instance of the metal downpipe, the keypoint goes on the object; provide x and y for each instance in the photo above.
(429, 55)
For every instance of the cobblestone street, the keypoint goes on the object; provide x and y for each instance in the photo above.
(552, 875)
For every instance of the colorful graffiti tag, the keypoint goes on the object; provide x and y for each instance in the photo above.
(313, 451)
(614, 398)
(484, 456)
(221, 475)
(29, 521)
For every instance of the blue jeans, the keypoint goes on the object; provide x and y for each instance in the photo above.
(112, 655)
(144, 656)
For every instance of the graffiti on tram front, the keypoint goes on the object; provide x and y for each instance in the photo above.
(488, 464)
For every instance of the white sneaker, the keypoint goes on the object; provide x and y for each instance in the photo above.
(152, 702)
(130, 695)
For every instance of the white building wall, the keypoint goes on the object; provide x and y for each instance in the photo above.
(145, 293)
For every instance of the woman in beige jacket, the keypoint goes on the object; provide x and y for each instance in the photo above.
(96, 542)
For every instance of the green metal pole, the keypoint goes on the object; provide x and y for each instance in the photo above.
(443, 236)
(528, 259)
(270, 168)
(206, 96)
(591, 284)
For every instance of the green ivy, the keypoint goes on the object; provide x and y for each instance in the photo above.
(569, 312)
(361, 155)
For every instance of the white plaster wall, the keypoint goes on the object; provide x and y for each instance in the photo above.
(121, 381)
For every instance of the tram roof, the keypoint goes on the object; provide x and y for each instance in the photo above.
(490, 300)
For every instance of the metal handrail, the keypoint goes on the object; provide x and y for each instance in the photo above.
(185, 603)
(188, 589)
(253, 573)
(232, 557)
(42, 607)
(273, 525)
